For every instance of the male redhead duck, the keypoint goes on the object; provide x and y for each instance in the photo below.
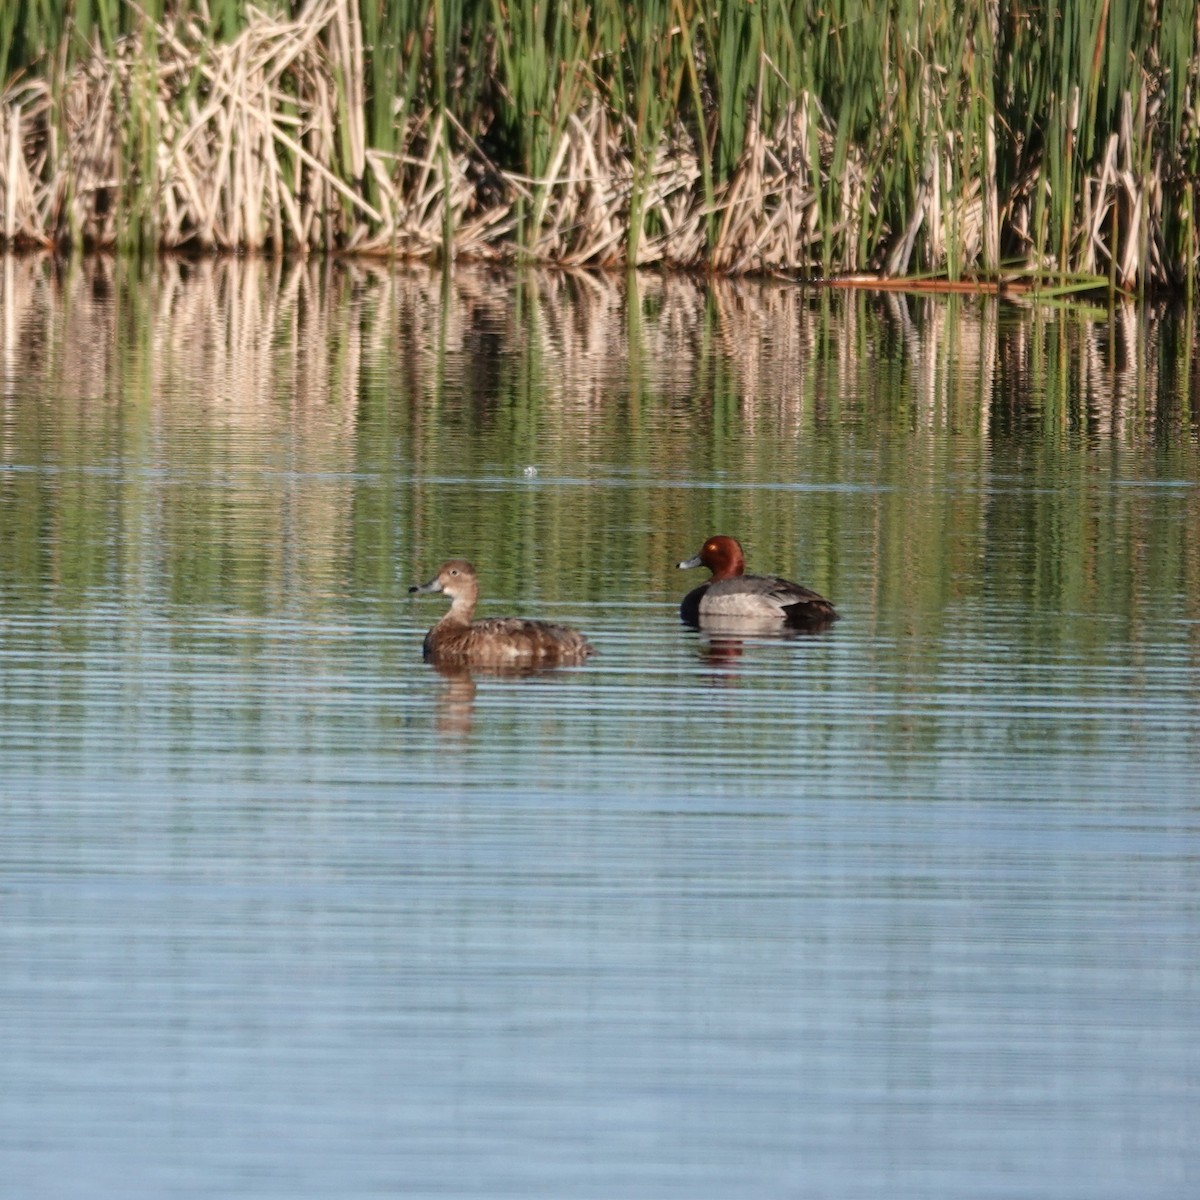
(512, 642)
(731, 593)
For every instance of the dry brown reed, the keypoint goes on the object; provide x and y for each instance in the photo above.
(174, 140)
(255, 147)
(248, 159)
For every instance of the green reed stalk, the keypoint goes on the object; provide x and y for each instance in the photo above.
(382, 37)
(8, 38)
(544, 48)
(139, 153)
(1057, 135)
(647, 111)
(687, 21)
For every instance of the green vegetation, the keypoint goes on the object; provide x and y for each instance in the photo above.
(285, 434)
(1055, 141)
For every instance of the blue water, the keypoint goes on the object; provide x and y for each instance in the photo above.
(910, 908)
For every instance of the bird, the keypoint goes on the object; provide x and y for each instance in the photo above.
(732, 594)
(497, 642)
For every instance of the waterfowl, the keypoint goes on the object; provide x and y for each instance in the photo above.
(732, 594)
(497, 642)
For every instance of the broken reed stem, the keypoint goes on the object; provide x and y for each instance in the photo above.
(728, 138)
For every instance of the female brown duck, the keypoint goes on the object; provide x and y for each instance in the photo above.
(732, 594)
(512, 642)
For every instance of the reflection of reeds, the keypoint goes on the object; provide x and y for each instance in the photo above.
(346, 418)
(1057, 141)
(258, 330)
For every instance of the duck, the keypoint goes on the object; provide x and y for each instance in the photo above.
(495, 642)
(731, 594)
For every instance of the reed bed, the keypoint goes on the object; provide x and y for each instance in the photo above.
(1054, 142)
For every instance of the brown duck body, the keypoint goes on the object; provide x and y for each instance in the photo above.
(494, 642)
(505, 642)
(732, 595)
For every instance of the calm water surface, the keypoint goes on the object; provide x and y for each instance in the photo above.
(910, 908)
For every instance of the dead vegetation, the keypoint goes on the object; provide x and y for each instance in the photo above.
(176, 140)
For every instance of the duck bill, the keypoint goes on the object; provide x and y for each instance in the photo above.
(434, 585)
(694, 561)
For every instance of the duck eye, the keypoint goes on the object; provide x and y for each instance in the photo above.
(454, 572)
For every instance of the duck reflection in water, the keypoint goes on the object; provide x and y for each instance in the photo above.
(509, 644)
(454, 702)
(734, 604)
(721, 644)
(454, 706)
